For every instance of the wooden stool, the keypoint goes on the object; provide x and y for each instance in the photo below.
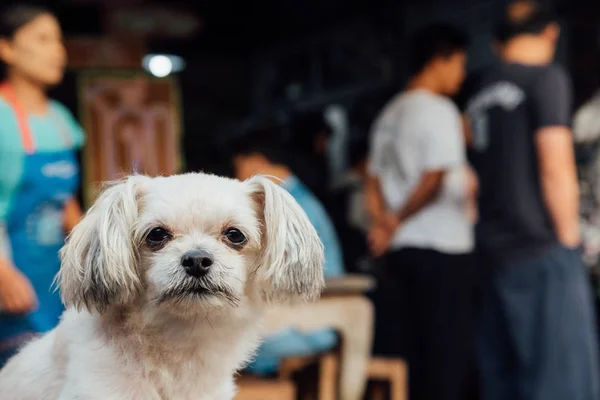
(392, 370)
(250, 388)
(328, 372)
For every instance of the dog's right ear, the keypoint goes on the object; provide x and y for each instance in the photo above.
(99, 259)
(291, 263)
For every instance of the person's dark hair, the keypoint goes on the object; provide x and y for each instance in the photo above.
(531, 18)
(14, 17)
(263, 141)
(439, 40)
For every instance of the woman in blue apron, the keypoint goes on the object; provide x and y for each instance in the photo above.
(39, 175)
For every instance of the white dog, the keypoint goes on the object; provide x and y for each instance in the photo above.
(165, 280)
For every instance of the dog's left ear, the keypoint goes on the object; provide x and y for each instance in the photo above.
(292, 258)
(99, 259)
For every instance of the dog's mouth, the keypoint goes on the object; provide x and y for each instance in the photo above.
(199, 291)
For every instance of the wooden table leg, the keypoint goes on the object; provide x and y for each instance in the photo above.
(328, 377)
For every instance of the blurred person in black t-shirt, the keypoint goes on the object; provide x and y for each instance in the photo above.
(538, 337)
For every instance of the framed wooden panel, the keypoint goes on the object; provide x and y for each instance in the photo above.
(133, 124)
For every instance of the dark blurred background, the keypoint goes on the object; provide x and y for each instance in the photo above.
(247, 64)
(247, 61)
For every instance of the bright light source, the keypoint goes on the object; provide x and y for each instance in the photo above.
(160, 66)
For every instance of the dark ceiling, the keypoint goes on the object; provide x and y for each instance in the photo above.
(236, 25)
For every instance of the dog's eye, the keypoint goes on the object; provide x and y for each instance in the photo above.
(235, 236)
(158, 236)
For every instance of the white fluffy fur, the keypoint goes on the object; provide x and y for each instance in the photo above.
(122, 337)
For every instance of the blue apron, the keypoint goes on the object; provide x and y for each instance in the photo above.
(35, 228)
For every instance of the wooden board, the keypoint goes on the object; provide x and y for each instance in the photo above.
(349, 284)
(133, 124)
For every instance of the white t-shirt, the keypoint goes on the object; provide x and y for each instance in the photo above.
(419, 131)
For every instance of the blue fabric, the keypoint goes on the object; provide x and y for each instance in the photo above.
(290, 342)
(334, 261)
(538, 339)
(33, 198)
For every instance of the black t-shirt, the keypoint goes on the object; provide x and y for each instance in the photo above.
(508, 104)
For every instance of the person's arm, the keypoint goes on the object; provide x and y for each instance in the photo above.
(559, 184)
(374, 202)
(72, 214)
(387, 222)
(17, 295)
(472, 191)
(555, 153)
(425, 192)
(467, 132)
(380, 234)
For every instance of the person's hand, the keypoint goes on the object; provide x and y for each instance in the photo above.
(570, 240)
(390, 222)
(382, 232)
(17, 295)
(472, 182)
(379, 240)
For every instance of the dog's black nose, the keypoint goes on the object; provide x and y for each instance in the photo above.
(197, 262)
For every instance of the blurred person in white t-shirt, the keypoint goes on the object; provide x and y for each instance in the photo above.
(420, 196)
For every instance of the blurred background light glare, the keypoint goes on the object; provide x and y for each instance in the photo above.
(162, 65)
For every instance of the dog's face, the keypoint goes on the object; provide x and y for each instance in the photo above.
(189, 243)
(197, 242)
